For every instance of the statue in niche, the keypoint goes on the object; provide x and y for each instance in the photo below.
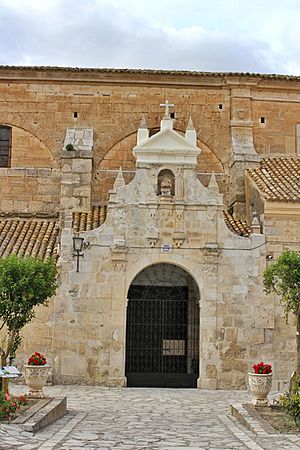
(166, 186)
(166, 183)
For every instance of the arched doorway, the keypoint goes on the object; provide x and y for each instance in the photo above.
(162, 330)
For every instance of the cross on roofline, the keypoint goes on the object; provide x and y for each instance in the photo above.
(167, 106)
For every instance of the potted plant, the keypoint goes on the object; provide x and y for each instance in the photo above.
(260, 383)
(36, 373)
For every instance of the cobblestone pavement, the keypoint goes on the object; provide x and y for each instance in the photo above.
(101, 418)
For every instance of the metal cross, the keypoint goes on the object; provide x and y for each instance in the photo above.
(167, 105)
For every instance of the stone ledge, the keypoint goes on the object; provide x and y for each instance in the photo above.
(43, 413)
(31, 411)
(74, 154)
(250, 418)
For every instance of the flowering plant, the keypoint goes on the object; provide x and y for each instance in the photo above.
(262, 368)
(37, 359)
(9, 406)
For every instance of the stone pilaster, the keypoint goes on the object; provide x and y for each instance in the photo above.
(244, 155)
(76, 169)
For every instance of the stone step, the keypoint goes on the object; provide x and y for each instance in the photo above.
(26, 415)
(44, 412)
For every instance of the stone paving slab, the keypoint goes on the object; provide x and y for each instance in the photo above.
(155, 419)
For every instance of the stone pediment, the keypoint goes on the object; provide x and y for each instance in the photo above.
(166, 147)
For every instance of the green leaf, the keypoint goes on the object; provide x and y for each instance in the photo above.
(24, 283)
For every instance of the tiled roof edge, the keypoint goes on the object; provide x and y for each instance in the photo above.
(154, 71)
(236, 226)
(277, 178)
(32, 216)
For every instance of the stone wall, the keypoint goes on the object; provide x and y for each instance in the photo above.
(31, 185)
(29, 191)
(88, 321)
(281, 113)
(29, 151)
(83, 330)
(225, 110)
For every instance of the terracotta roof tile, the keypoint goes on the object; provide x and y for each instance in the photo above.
(237, 226)
(38, 237)
(152, 71)
(278, 178)
(25, 237)
(85, 221)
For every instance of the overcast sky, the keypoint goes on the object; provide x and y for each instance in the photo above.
(205, 35)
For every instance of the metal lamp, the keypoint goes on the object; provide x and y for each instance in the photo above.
(78, 249)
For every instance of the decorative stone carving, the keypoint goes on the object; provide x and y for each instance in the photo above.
(179, 214)
(211, 253)
(119, 245)
(166, 186)
(118, 254)
(178, 238)
(119, 265)
(166, 213)
(255, 225)
(213, 185)
(143, 132)
(36, 378)
(119, 181)
(153, 240)
(152, 235)
(152, 214)
(166, 183)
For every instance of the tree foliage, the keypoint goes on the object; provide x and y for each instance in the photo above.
(283, 278)
(24, 284)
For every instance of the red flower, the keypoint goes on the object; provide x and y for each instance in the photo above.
(262, 368)
(37, 359)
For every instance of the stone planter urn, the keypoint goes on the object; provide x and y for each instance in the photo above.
(36, 378)
(260, 385)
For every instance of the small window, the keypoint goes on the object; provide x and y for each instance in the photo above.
(220, 106)
(262, 120)
(75, 115)
(5, 145)
(172, 115)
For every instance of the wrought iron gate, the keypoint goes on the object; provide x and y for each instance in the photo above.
(162, 337)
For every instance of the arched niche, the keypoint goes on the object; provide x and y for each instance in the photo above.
(166, 183)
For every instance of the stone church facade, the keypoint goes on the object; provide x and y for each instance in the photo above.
(179, 208)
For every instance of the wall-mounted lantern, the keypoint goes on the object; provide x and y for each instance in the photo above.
(78, 246)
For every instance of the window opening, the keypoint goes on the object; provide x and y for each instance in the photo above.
(5, 145)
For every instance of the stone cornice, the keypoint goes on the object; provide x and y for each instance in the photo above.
(282, 209)
(144, 77)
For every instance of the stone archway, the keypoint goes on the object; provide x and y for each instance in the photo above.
(162, 331)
